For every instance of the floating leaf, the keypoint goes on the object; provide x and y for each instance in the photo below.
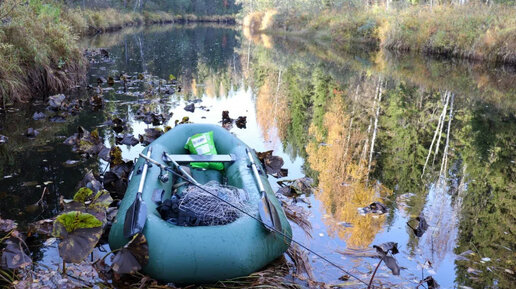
(127, 139)
(271, 163)
(133, 256)
(43, 227)
(297, 187)
(150, 135)
(13, 256)
(190, 107)
(171, 77)
(421, 227)
(79, 232)
(101, 201)
(89, 181)
(391, 263)
(384, 248)
(241, 122)
(431, 283)
(7, 225)
(375, 208)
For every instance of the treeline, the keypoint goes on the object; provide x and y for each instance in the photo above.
(363, 134)
(196, 7)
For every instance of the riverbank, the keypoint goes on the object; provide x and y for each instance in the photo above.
(106, 20)
(39, 51)
(473, 31)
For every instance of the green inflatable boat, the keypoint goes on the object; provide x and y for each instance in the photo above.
(203, 254)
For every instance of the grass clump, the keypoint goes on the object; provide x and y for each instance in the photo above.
(38, 50)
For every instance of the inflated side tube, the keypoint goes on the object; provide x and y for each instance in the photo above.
(203, 254)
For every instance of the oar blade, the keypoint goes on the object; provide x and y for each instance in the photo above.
(265, 214)
(135, 218)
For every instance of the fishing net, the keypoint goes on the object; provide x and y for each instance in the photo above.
(196, 207)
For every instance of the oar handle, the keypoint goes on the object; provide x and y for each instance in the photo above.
(144, 172)
(255, 172)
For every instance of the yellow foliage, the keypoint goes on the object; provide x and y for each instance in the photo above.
(343, 176)
(268, 19)
(272, 108)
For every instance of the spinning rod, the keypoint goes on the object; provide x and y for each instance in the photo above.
(192, 181)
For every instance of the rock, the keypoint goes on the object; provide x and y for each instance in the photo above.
(56, 101)
(31, 132)
(101, 80)
(38, 116)
(190, 107)
(104, 53)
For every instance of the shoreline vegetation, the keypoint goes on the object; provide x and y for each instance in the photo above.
(473, 31)
(39, 49)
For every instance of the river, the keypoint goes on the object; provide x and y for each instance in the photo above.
(425, 137)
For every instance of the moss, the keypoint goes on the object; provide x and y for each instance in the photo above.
(82, 195)
(74, 220)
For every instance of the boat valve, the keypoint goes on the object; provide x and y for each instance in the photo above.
(163, 177)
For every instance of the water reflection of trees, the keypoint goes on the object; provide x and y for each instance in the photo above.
(445, 153)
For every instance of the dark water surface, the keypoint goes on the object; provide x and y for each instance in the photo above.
(424, 137)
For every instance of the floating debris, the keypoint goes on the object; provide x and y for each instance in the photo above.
(241, 122)
(375, 208)
(421, 227)
(31, 132)
(272, 164)
(127, 139)
(383, 250)
(150, 135)
(190, 107)
(70, 163)
(3, 139)
(38, 116)
(296, 188)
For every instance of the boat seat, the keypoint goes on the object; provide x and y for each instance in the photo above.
(188, 158)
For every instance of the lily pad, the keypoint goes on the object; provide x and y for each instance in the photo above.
(79, 233)
(13, 256)
(383, 250)
(7, 225)
(271, 163)
(133, 256)
(421, 227)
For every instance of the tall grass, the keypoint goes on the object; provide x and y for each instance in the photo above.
(474, 31)
(38, 51)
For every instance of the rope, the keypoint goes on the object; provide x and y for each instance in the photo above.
(267, 226)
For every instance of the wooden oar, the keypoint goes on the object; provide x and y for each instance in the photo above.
(268, 213)
(136, 214)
